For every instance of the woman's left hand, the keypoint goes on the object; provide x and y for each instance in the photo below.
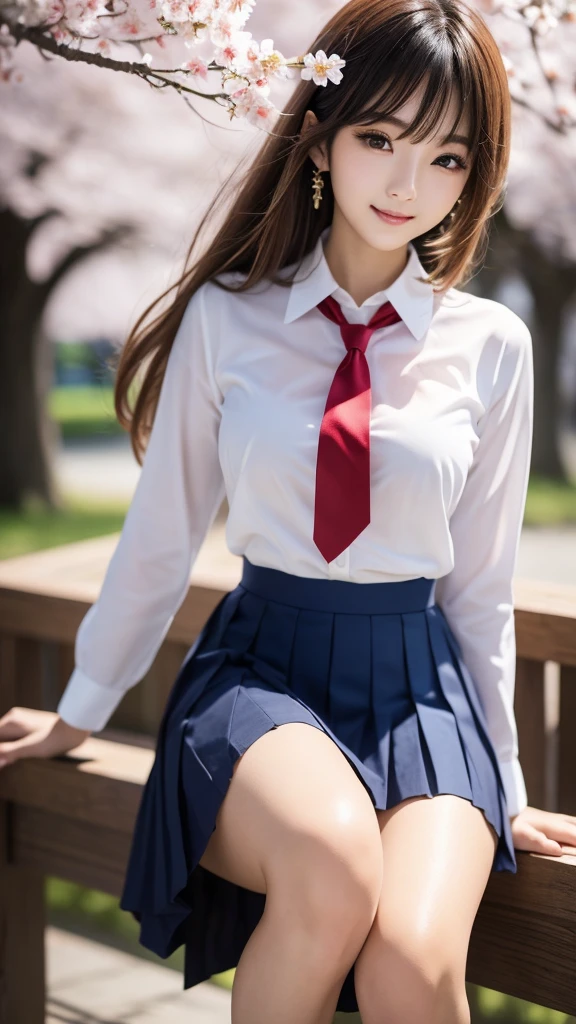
(544, 832)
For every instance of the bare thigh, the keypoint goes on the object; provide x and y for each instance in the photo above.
(292, 794)
(437, 857)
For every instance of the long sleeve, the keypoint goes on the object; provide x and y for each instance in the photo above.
(476, 596)
(179, 491)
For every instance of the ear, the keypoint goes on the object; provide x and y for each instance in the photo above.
(317, 153)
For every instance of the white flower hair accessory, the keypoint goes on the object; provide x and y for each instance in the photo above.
(320, 68)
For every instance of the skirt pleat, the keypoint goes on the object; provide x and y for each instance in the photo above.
(376, 667)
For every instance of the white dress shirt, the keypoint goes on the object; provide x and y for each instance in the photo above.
(239, 415)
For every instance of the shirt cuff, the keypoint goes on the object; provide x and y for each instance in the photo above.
(87, 705)
(514, 786)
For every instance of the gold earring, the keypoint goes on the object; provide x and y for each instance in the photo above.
(317, 186)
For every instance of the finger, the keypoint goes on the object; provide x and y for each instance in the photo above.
(29, 746)
(18, 722)
(559, 827)
(546, 844)
(564, 835)
(12, 730)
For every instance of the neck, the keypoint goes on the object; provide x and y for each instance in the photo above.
(356, 266)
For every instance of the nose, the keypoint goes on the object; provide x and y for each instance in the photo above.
(402, 182)
(404, 190)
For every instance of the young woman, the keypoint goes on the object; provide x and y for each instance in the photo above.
(370, 425)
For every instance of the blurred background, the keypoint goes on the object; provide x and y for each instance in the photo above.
(102, 181)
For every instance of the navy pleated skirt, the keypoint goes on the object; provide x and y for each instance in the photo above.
(375, 666)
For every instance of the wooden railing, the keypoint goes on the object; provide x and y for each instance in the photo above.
(44, 596)
(524, 937)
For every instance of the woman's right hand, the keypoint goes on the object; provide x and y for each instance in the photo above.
(25, 732)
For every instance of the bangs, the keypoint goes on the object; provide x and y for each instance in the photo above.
(422, 55)
(442, 54)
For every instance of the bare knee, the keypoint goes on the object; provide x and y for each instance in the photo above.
(409, 980)
(299, 825)
(317, 833)
(328, 876)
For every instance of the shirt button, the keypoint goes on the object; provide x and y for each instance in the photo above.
(341, 561)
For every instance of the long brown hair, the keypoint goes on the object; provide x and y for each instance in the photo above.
(390, 47)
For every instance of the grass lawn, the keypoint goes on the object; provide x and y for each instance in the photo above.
(39, 527)
(84, 411)
(549, 503)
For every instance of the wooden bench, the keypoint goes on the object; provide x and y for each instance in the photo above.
(72, 817)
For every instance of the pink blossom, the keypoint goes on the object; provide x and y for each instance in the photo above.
(196, 66)
(131, 26)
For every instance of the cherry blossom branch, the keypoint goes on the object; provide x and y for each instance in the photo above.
(247, 68)
(49, 45)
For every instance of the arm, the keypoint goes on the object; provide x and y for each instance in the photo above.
(476, 596)
(179, 491)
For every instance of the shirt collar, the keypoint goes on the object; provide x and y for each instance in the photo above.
(412, 299)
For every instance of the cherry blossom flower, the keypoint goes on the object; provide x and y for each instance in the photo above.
(7, 44)
(252, 103)
(196, 66)
(320, 68)
(103, 47)
(542, 18)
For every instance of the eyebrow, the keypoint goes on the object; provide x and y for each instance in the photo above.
(464, 139)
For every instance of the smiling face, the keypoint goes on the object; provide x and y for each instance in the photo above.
(371, 167)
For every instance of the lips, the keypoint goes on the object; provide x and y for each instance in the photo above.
(393, 215)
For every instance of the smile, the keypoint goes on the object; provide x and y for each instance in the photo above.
(391, 218)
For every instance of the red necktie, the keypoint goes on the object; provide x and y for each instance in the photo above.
(342, 500)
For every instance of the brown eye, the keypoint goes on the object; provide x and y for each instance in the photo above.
(368, 136)
(454, 156)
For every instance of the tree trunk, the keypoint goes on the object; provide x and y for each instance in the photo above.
(553, 288)
(27, 434)
(23, 459)
(552, 285)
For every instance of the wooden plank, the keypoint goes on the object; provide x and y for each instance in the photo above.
(542, 634)
(523, 940)
(530, 713)
(566, 744)
(22, 923)
(544, 617)
(65, 662)
(544, 628)
(20, 672)
(49, 617)
(78, 851)
(41, 616)
(46, 594)
(7, 671)
(99, 783)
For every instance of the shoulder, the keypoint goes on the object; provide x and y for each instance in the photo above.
(496, 321)
(204, 312)
(228, 292)
(222, 312)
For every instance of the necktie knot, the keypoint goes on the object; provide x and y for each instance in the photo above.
(342, 498)
(356, 335)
